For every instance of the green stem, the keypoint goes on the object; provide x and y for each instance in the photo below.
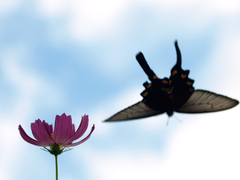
(56, 167)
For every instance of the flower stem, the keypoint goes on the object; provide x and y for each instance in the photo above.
(56, 167)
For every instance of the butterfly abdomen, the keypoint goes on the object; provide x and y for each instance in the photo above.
(157, 95)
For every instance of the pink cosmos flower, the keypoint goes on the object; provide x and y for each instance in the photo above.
(63, 135)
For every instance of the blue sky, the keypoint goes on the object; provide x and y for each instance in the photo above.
(78, 57)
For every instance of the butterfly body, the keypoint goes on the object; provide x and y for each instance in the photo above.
(175, 93)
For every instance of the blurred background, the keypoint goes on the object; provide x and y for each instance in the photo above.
(78, 57)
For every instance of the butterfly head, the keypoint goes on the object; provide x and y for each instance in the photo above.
(169, 112)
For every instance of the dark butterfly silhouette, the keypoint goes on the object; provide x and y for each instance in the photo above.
(175, 94)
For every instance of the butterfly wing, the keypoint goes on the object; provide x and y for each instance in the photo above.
(202, 101)
(173, 94)
(136, 111)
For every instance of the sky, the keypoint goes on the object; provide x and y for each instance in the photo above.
(78, 57)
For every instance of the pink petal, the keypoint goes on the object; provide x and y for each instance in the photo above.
(71, 135)
(80, 131)
(27, 138)
(82, 141)
(41, 131)
(48, 127)
(63, 128)
(73, 130)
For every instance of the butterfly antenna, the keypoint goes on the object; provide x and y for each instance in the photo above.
(143, 63)
(178, 119)
(168, 121)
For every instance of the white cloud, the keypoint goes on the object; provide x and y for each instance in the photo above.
(53, 8)
(87, 19)
(198, 150)
(212, 6)
(92, 20)
(204, 145)
(132, 165)
(26, 88)
(227, 52)
(10, 142)
(9, 5)
(26, 84)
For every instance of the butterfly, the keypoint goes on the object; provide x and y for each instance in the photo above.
(174, 94)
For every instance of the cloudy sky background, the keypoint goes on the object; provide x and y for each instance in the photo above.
(78, 57)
